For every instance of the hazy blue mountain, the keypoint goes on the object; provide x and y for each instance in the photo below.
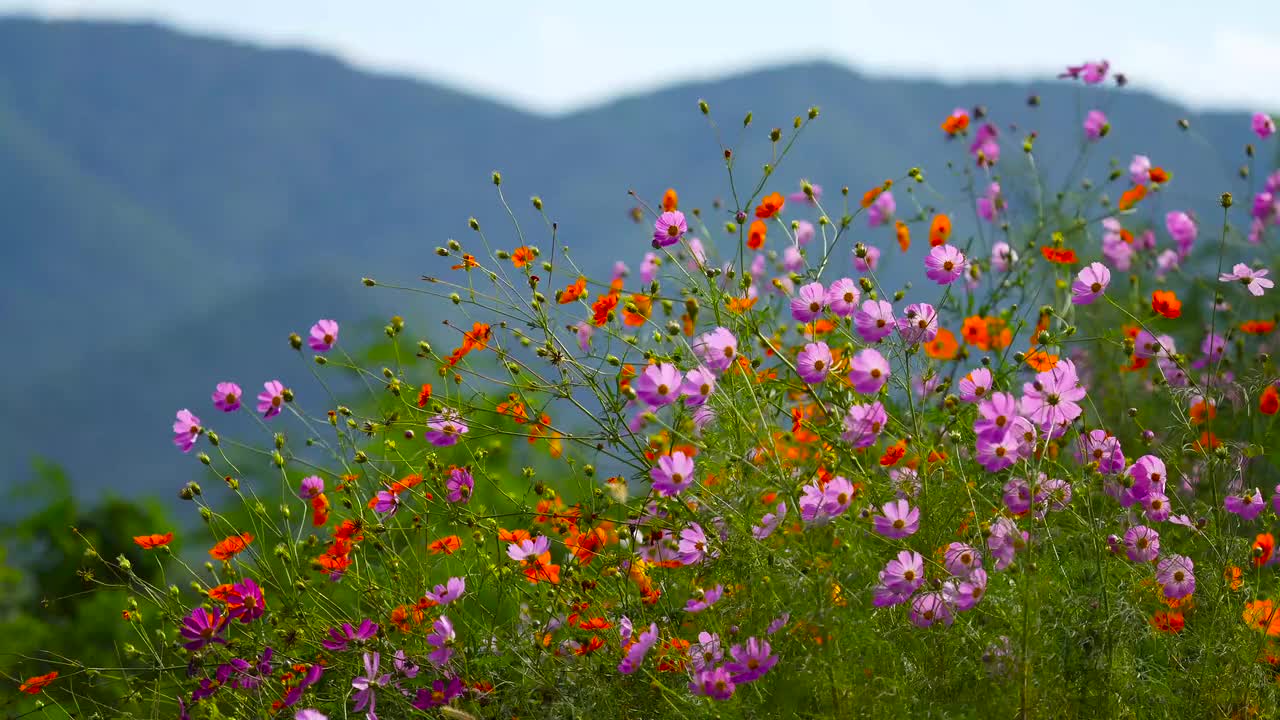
(172, 206)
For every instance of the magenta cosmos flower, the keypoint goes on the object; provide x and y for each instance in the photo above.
(961, 559)
(365, 685)
(996, 455)
(1052, 400)
(751, 660)
(1255, 281)
(1263, 126)
(1103, 448)
(868, 371)
(638, 649)
(693, 545)
(340, 638)
(323, 335)
(186, 428)
(453, 589)
(1246, 505)
(991, 204)
(669, 228)
(975, 385)
(528, 548)
(1176, 574)
(904, 573)
(945, 264)
(716, 348)
(715, 684)
(271, 399)
(459, 485)
(808, 302)
(1091, 72)
(1095, 125)
(245, 601)
(1142, 544)
(985, 149)
(821, 504)
(875, 320)
(929, 608)
(919, 323)
(673, 474)
(995, 417)
(659, 385)
(881, 209)
(310, 487)
(814, 362)
(771, 521)
(203, 627)
(704, 599)
(863, 424)
(964, 593)
(1182, 229)
(442, 639)
(1090, 284)
(898, 520)
(842, 297)
(869, 261)
(698, 385)
(445, 429)
(226, 396)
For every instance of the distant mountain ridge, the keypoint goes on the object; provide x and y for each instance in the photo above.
(172, 206)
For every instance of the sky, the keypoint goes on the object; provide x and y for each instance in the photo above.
(561, 55)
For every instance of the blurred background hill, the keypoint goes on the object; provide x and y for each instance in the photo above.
(173, 206)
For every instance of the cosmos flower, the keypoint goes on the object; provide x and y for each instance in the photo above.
(1090, 284)
(868, 371)
(945, 264)
(323, 336)
(271, 399)
(669, 228)
(1255, 281)
(898, 520)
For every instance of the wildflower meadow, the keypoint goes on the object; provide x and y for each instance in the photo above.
(741, 477)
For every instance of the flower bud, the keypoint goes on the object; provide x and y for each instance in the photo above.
(1225, 200)
(295, 341)
(703, 107)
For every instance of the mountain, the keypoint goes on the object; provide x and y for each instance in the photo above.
(172, 206)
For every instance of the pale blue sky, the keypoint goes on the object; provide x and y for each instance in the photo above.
(555, 56)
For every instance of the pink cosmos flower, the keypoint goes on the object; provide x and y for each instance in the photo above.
(870, 262)
(1090, 284)
(814, 362)
(875, 320)
(820, 504)
(386, 502)
(445, 429)
(904, 573)
(945, 264)
(898, 520)
(842, 297)
(186, 429)
(985, 149)
(528, 548)
(996, 455)
(964, 594)
(453, 589)
(1263, 125)
(637, 650)
(1140, 169)
(271, 399)
(706, 653)
(808, 303)
(1004, 541)
(1095, 125)
(441, 638)
(919, 323)
(717, 348)
(673, 474)
(991, 204)
(792, 260)
(714, 683)
(1091, 72)
(659, 385)
(1142, 544)
(1156, 507)
(584, 331)
(649, 267)
(805, 232)
(1176, 574)
(961, 559)
(751, 660)
(704, 600)
(1255, 281)
(698, 385)
(693, 545)
(1182, 229)
(800, 196)
(669, 228)
(459, 485)
(323, 335)
(929, 608)
(882, 209)
(1052, 400)
(863, 424)
(771, 521)
(868, 371)
(1002, 256)
(311, 487)
(1103, 448)
(1117, 252)
(226, 396)
(975, 385)
(1247, 506)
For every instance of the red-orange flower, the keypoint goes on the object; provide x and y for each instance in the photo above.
(1061, 256)
(769, 206)
(1132, 197)
(943, 346)
(956, 123)
(445, 545)
(602, 309)
(1202, 411)
(468, 262)
(522, 256)
(939, 230)
(643, 309)
(1269, 403)
(1262, 615)
(670, 200)
(228, 548)
(319, 510)
(1168, 622)
(1042, 361)
(757, 234)
(33, 686)
(542, 570)
(574, 291)
(894, 453)
(740, 305)
(424, 395)
(150, 542)
(477, 338)
(1264, 547)
(1158, 175)
(904, 235)
(1257, 327)
(1166, 303)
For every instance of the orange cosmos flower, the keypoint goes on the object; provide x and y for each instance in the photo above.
(349, 530)
(1234, 577)
(894, 453)
(319, 510)
(543, 570)
(1201, 412)
(974, 331)
(424, 395)
(602, 309)
(956, 123)
(771, 205)
(741, 305)
(151, 542)
(670, 200)
(1207, 441)
(1168, 622)
(1269, 403)
(1264, 547)
(1158, 175)
(468, 262)
(904, 235)
(1257, 327)
(33, 686)
(228, 548)
(757, 234)
(939, 230)
(513, 536)
(477, 338)
(1166, 303)
(573, 292)
(1061, 256)
(644, 308)
(522, 256)
(445, 545)
(220, 592)
(672, 655)
(870, 196)
(1132, 197)
(943, 346)
(1261, 615)
(1041, 360)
